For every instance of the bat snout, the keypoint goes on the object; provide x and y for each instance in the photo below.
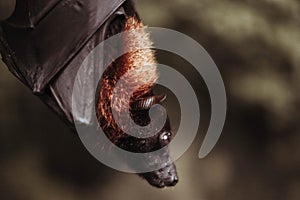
(164, 177)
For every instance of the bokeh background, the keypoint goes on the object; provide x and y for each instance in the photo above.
(256, 45)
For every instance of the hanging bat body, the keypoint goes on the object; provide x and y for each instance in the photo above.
(138, 69)
(44, 43)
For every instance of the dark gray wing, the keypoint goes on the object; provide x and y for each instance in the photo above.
(45, 42)
(43, 36)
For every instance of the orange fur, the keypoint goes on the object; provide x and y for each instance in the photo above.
(137, 69)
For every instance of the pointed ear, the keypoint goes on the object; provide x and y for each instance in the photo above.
(7, 7)
(147, 102)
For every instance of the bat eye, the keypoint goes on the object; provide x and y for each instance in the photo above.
(165, 138)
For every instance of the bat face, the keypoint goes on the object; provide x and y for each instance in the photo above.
(166, 176)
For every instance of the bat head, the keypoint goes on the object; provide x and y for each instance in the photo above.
(167, 175)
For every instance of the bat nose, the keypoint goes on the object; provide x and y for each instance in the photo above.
(171, 181)
(170, 177)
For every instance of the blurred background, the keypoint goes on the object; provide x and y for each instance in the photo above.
(255, 44)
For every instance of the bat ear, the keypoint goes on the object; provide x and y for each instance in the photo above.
(147, 102)
(7, 7)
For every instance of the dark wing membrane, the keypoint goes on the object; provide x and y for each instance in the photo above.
(42, 37)
(29, 12)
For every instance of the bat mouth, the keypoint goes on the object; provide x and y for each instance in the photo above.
(165, 177)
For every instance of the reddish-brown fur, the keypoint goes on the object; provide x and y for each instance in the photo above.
(137, 69)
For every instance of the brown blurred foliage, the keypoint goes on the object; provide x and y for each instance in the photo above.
(256, 45)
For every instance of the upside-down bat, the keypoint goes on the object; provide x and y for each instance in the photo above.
(43, 43)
